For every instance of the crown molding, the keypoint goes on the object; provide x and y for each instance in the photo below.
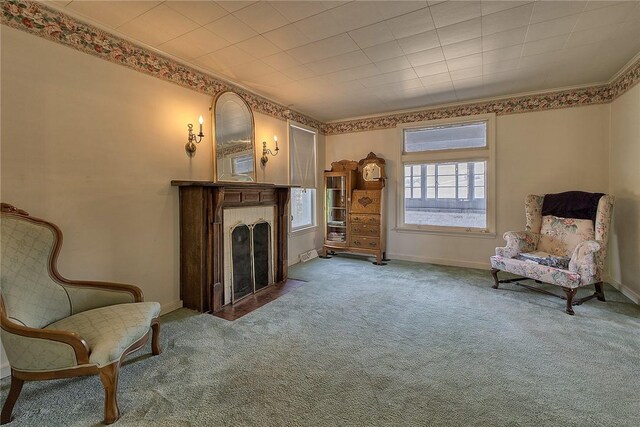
(62, 28)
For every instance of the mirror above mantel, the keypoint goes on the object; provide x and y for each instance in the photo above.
(234, 143)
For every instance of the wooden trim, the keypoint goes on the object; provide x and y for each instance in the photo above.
(79, 345)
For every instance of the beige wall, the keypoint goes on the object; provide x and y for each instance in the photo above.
(542, 152)
(624, 183)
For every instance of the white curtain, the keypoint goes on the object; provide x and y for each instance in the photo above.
(303, 157)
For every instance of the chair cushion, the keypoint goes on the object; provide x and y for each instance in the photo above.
(110, 330)
(532, 270)
(560, 236)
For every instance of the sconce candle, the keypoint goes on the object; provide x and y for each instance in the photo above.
(190, 147)
(264, 159)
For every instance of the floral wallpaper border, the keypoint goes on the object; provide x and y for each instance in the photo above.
(52, 25)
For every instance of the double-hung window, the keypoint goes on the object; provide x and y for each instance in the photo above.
(447, 176)
(303, 172)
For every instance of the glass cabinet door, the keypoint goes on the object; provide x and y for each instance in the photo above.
(336, 209)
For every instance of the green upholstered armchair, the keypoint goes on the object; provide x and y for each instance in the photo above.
(57, 328)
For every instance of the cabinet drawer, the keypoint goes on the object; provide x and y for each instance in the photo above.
(365, 219)
(365, 230)
(365, 201)
(365, 242)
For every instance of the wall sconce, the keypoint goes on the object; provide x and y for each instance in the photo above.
(190, 147)
(264, 159)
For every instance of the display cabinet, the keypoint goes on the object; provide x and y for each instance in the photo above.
(354, 207)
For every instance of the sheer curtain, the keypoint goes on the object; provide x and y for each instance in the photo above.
(303, 157)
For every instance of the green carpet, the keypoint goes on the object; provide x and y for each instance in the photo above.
(364, 345)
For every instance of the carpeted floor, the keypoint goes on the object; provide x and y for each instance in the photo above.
(363, 345)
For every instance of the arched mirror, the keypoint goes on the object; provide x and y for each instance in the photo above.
(234, 152)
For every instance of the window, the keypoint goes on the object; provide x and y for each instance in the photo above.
(303, 172)
(447, 171)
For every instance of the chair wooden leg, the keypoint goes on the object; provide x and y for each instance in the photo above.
(109, 377)
(155, 339)
(600, 291)
(494, 273)
(14, 392)
(570, 294)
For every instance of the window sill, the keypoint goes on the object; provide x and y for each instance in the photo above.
(304, 230)
(444, 232)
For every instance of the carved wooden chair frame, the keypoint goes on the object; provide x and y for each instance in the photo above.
(109, 373)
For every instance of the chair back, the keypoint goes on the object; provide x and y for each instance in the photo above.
(28, 251)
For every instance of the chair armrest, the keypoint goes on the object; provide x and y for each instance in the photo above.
(27, 347)
(518, 242)
(583, 260)
(87, 295)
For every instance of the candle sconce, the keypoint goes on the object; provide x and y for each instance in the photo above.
(193, 139)
(265, 151)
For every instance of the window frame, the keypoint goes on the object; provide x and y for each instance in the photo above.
(314, 208)
(476, 154)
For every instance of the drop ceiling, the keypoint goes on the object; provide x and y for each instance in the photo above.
(336, 60)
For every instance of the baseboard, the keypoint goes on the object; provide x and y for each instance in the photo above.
(441, 261)
(169, 307)
(626, 291)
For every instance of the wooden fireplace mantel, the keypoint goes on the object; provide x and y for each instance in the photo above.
(201, 235)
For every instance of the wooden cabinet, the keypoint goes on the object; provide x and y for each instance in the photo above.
(354, 207)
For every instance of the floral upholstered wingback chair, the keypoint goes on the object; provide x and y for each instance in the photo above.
(57, 328)
(563, 251)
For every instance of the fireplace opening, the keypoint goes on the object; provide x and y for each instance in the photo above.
(250, 258)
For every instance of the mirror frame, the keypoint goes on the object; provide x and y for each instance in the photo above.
(214, 108)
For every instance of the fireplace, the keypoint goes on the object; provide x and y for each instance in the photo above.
(233, 241)
(248, 251)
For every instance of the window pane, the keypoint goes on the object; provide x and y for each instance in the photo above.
(407, 193)
(407, 181)
(416, 182)
(468, 135)
(416, 170)
(431, 169)
(407, 171)
(447, 200)
(446, 169)
(302, 207)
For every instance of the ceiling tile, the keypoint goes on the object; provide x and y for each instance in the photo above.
(372, 35)
(321, 26)
(411, 23)
(545, 45)
(384, 51)
(546, 10)
(232, 6)
(497, 67)
(597, 4)
(158, 25)
(258, 47)
(393, 64)
(452, 12)
(281, 61)
(605, 16)
(437, 82)
(299, 72)
(502, 54)
(251, 70)
(322, 49)
(464, 48)
(232, 55)
(358, 14)
(271, 79)
(351, 74)
(428, 56)
(595, 35)
(111, 13)
(507, 19)
(465, 73)
(297, 10)
(504, 38)
(465, 62)
(201, 12)
(553, 27)
(460, 32)
(194, 44)
(392, 77)
(431, 69)
(287, 37)
(489, 7)
(418, 42)
(261, 16)
(340, 62)
(231, 28)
